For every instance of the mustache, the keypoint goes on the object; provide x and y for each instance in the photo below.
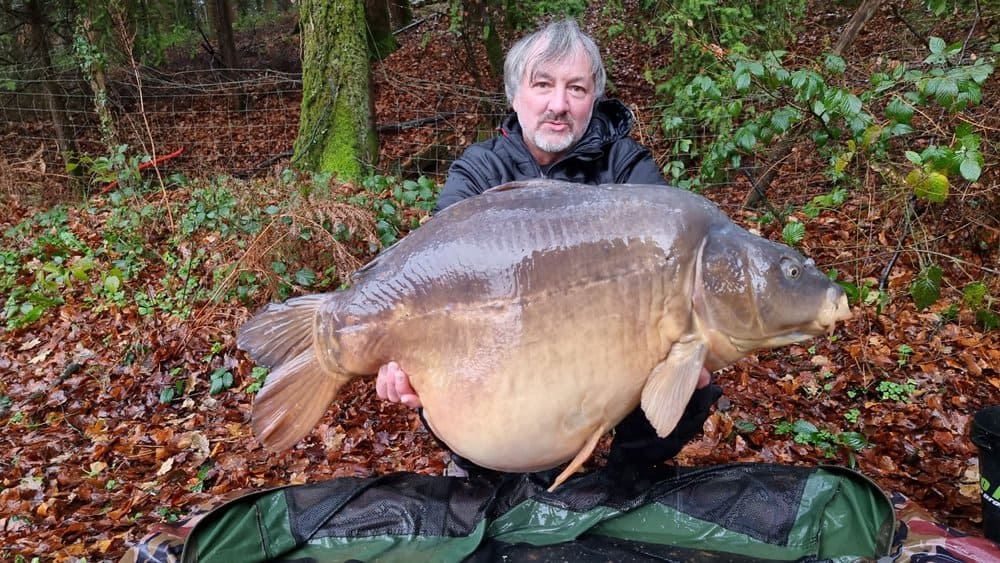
(557, 118)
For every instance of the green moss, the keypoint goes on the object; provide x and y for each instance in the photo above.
(335, 130)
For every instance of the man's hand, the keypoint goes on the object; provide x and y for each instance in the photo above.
(392, 384)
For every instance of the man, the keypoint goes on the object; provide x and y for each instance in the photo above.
(563, 129)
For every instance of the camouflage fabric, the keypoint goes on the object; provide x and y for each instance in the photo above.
(922, 540)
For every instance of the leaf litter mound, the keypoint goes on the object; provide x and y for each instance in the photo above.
(95, 459)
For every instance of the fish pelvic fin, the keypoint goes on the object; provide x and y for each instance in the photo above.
(581, 457)
(671, 384)
(293, 400)
(281, 331)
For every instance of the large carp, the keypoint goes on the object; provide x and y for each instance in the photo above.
(533, 318)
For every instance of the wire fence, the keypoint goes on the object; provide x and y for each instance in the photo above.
(422, 124)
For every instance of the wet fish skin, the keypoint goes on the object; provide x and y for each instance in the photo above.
(532, 318)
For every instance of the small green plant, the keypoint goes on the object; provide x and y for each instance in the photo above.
(893, 391)
(852, 416)
(827, 441)
(793, 233)
(203, 474)
(389, 203)
(259, 375)
(175, 389)
(976, 296)
(221, 379)
(926, 287)
(903, 353)
(168, 514)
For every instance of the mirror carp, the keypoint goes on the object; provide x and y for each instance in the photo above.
(532, 318)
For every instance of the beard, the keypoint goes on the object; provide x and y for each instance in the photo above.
(557, 142)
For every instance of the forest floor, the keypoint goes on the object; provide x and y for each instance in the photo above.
(93, 458)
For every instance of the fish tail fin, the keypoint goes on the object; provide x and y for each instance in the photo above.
(281, 331)
(299, 388)
(297, 394)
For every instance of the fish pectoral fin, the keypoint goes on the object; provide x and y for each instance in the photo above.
(582, 457)
(294, 398)
(671, 384)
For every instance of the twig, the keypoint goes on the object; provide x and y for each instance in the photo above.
(409, 26)
(968, 36)
(896, 13)
(414, 123)
(267, 163)
(127, 42)
(883, 281)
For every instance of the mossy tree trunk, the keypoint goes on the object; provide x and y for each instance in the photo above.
(336, 131)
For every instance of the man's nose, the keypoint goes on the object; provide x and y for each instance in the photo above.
(559, 101)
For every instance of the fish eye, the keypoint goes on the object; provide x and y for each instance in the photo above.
(791, 269)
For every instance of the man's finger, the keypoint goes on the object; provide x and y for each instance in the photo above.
(381, 382)
(704, 378)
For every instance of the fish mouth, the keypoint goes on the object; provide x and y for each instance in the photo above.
(834, 309)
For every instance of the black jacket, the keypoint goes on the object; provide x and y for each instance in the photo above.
(605, 154)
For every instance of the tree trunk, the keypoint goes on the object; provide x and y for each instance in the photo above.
(481, 22)
(93, 65)
(57, 108)
(861, 16)
(223, 23)
(381, 41)
(336, 133)
(400, 13)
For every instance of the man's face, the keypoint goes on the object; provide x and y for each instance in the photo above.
(554, 103)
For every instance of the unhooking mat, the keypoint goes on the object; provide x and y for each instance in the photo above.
(732, 513)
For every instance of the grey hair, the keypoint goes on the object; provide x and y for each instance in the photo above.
(551, 44)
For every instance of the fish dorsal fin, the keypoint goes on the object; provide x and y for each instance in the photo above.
(524, 184)
(671, 384)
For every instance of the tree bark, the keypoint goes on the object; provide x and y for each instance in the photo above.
(400, 13)
(861, 16)
(57, 108)
(481, 23)
(223, 23)
(336, 132)
(93, 65)
(381, 41)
